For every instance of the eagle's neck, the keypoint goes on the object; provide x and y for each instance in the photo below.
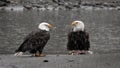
(77, 29)
(44, 28)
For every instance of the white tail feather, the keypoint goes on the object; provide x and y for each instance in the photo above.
(18, 54)
(90, 52)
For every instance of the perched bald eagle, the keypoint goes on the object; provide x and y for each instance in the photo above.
(35, 41)
(78, 39)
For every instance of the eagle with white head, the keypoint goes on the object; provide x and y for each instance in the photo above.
(78, 39)
(35, 41)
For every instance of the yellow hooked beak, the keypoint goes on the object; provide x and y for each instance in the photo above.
(49, 26)
(73, 24)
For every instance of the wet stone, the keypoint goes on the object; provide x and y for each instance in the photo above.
(45, 61)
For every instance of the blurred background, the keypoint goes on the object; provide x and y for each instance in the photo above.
(101, 17)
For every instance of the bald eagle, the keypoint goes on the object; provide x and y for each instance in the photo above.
(78, 39)
(35, 41)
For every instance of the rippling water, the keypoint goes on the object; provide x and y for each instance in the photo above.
(103, 26)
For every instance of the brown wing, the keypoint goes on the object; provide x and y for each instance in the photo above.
(34, 41)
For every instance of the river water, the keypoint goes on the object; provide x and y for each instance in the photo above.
(102, 25)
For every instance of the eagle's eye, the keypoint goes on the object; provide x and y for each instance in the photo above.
(76, 22)
(46, 25)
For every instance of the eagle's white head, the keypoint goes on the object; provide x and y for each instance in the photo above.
(44, 26)
(78, 26)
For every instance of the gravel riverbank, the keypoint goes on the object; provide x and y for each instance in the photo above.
(61, 61)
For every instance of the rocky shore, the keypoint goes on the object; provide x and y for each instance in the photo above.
(61, 61)
(70, 4)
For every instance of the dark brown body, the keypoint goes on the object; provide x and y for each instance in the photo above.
(34, 42)
(78, 41)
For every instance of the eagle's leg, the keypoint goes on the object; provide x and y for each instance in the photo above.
(71, 52)
(78, 52)
(39, 54)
